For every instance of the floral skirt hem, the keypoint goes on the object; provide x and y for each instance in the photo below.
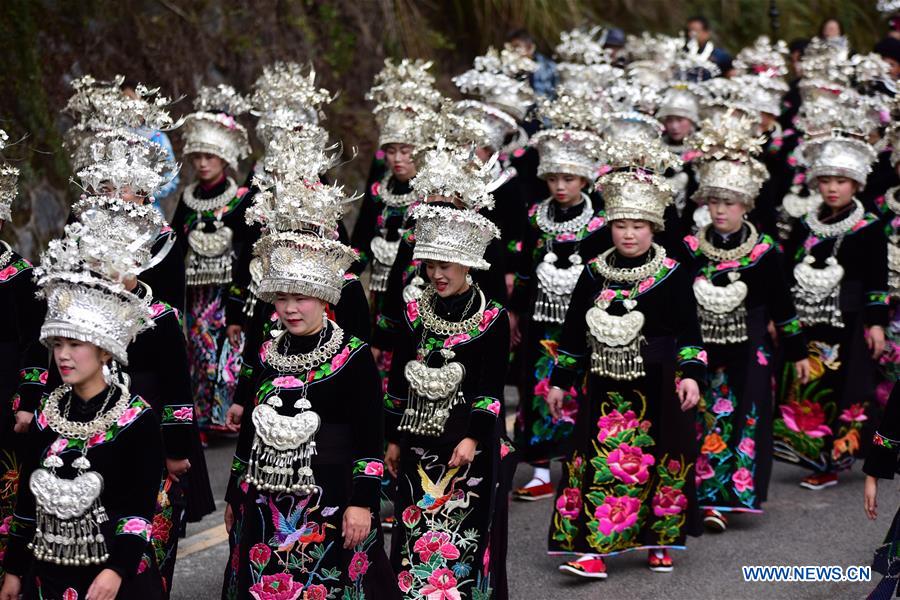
(614, 552)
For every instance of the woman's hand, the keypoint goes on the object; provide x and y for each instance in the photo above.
(23, 421)
(515, 334)
(871, 497)
(233, 417)
(177, 468)
(554, 401)
(234, 334)
(392, 459)
(875, 340)
(229, 518)
(801, 368)
(105, 586)
(688, 394)
(464, 453)
(356, 526)
(12, 587)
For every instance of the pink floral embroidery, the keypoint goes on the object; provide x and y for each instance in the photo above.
(703, 470)
(459, 338)
(646, 284)
(411, 515)
(723, 406)
(359, 564)
(264, 350)
(569, 504)
(608, 295)
(809, 242)
(157, 309)
(856, 413)
(532, 210)
(690, 155)
(97, 438)
(668, 501)
(441, 584)
(596, 223)
(702, 357)
(518, 152)
(759, 250)
(128, 416)
(412, 311)
(568, 236)
(489, 315)
(435, 542)
(728, 264)
(629, 464)
(185, 413)
(404, 581)
(799, 178)
(748, 447)
(42, 420)
(374, 468)
(742, 479)
(43, 377)
(761, 358)
(8, 272)
(59, 445)
(339, 359)
(494, 407)
(280, 586)
(859, 225)
(614, 423)
(287, 382)
(805, 417)
(376, 189)
(669, 263)
(138, 527)
(616, 514)
(692, 242)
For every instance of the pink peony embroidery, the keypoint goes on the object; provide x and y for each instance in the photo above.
(494, 407)
(96, 439)
(280, 586)
(340, 359)
(435, 542)
(488, 316)
(8, 272)
(702, 357)
(629, 464)
(567, 236)
(185, 413)
(287, 382)
(617, 514)
(459, 338)
(759, 250)
(59, 445)
(138, 527)
(668, 501)
(157, 309)
(441, 584)
(359, 564)
(376, 189)
(703, 470)
(374, 468)
(264, 350)
(608, 295)
(748, 447)
(411, 515)
(596, 223)
(614, 423)
(569, 504)
(692, 242)
(742, 479)
(412, 311)
(805, 417)
(316, 592)
(723, 406)
(855, 413)
(128, 416)
(404, 581)
(646, 284)
(728, 264)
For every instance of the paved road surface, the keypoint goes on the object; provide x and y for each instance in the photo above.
(799, 527)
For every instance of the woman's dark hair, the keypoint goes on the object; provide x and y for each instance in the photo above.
(826, 22)
(699, 19)
(521, 34)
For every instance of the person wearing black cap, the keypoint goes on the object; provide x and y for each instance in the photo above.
(889, 49)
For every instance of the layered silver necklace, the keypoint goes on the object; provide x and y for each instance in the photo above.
(555, 285)
(434, 391)
(394, 200)
(68, 512)
(720, 308)
(616, 340)
(817, 289)
(209, 204)
(283, 445)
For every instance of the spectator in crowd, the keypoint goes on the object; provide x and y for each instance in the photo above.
(543, 80)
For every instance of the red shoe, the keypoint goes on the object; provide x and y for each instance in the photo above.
(204, 441)
(659, 561)
(592, 568)
(534, 492)
(819, 481)
(714, 520)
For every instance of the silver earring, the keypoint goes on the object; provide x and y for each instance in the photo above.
(469, 279)
(107, 374)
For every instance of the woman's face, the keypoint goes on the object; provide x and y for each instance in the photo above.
(836, 191)
(632, 237)
(125, 193)
(208, 167)
(831, 29)
(78, 362)
(447, 278)
(727, 215)
(678, 128)
(301, 315)
(566, 188)
(399, 160)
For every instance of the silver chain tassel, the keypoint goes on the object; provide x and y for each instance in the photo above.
(72, 542)
(428, 417)
(550, 307)
(623, 363)
(273, 470)
(206, 270)
(380, 274)
(812, 310)
(723, 328)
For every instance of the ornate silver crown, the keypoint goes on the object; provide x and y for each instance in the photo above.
(635, 187)
(455, 173)
(456, 235)
(407, 81)
(841, 156)
(398, 122)
(122, 160)
(84, 306)
(115, 237)
(679, 101)
(825, 66)
(497, 125)
(298, 263)
(888, 7)
(500, 79)
(571, 146)
(583, 46)
(763, 58)
(727, 168)
(213, 128)
(285, 97)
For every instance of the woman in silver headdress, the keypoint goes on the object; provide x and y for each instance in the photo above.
(307, 470)
(739, 288)
(210, 225)
(840, 289)
(629, 484)
(445, 393)
(566, 230)
(24, 361)
(92, 469)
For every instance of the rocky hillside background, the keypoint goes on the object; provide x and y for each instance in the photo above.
(179, 45)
